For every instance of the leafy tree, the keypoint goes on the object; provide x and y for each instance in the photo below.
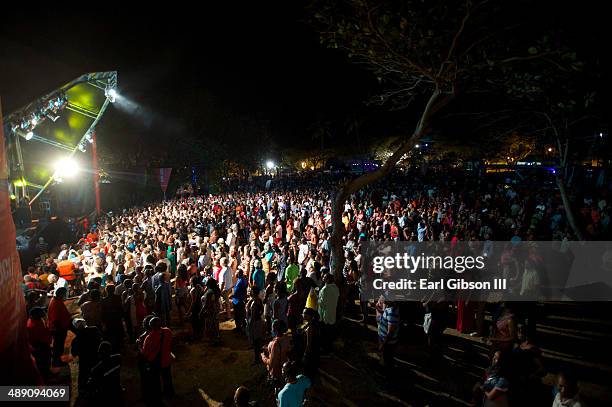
(424, 53)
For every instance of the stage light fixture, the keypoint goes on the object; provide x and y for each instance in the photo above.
(81, 147)
(111, 94)
(29, 135)
(66, 167)
(34, 121)
(89, 138)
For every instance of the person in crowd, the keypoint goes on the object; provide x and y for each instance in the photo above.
(327, 304)
(85, 346)
(312, 343)
(295, 305)
(163, 298)
(495, 390)
(157, 352)
(105, 377)
(239, 300)
(195, 307)
(112, 322)
(291, 272)
(226, 285)
(39, 337)
(277, 351)
(59, 323)
(567, 391)
(242, 398)
(279, 306)
(181, 290)
(388, 336)
(527, 368)
(91, 310)
(255, 322)
(294, 391)
(505, 329)
(209, 313)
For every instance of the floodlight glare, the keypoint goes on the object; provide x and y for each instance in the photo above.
(66, 167)
(270, 164)
(111, 94)
(29, 135)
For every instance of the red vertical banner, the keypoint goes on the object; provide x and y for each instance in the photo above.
(15, 354)
(96, 172)
(163, 175)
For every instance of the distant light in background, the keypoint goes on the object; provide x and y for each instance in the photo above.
(303, 164)
(417, 146)
(270, 164)
(550, 149)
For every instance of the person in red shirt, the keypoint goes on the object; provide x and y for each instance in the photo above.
(157, 351)
(59, 323)
(39, 337)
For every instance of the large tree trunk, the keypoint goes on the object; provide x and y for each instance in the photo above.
(436, 101)
(568, 208)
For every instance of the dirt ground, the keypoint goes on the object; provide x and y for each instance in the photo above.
(205, 374)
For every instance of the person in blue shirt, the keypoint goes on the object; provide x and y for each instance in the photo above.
(239, 300)
(258, 278)
(292, 395)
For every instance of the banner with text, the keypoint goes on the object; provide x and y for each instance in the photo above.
(487, 271)
(18, 368)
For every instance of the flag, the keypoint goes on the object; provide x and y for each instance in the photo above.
(163, 175)
(18, 365)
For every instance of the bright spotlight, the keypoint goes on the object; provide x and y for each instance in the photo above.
(270, 164)
(29, 135)
(417, 146)
(66, 167)
(111, 94)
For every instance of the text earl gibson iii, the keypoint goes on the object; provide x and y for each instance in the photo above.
(441, 284)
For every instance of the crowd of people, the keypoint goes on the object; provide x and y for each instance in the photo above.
(262, 260)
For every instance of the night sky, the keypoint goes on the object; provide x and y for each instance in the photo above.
(191, 67)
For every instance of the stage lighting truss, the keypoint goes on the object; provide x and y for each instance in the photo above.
(47, 109)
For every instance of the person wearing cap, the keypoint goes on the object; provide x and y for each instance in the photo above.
(85, 347)
(59, 323)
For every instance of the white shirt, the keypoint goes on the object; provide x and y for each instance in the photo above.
(575, 402)
(225, 277)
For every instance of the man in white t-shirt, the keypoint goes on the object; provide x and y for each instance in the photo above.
(226, 284)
